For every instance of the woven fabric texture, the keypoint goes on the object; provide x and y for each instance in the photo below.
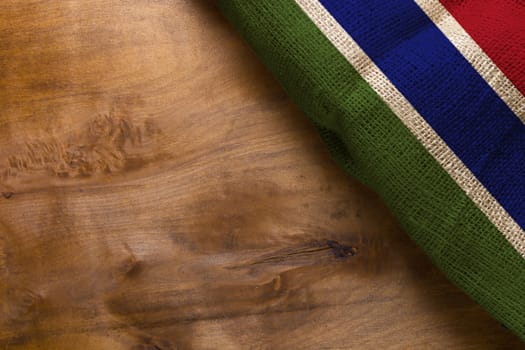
(374, 141)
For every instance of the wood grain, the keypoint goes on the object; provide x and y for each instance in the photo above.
(160, 191)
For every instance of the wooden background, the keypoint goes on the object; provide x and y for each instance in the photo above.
(160, 191)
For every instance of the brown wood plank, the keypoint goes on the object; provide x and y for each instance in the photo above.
(160, 191)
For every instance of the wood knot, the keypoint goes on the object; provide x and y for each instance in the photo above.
(131, 266)
(341, 251)
(7, 195)
(146, 347)
(154, 344)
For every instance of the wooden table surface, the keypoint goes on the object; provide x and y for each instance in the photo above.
(159, 190)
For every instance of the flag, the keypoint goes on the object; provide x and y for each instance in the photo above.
(423, 101)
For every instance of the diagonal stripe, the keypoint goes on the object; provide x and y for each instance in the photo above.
(415, 123)
(373, 145)
(475, 55)
(498, 27)
(445, 89)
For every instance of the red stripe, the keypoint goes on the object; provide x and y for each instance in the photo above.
(498, 26)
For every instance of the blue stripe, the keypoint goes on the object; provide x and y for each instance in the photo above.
(445, 89)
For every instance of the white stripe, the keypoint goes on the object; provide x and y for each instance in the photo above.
(415, 123)
(475, 55)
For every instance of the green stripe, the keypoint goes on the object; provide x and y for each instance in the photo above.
(373, 145)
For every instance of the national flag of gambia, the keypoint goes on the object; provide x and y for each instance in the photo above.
(423, 101)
